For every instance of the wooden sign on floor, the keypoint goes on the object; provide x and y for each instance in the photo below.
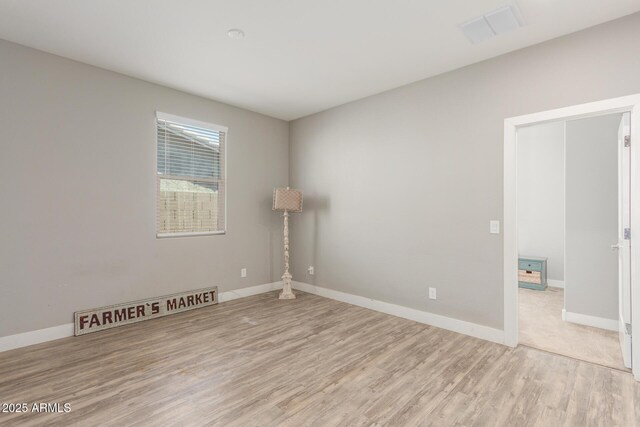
(98, 319)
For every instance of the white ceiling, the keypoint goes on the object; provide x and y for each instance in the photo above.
(299, 56)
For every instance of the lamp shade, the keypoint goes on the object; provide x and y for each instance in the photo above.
(286, 199)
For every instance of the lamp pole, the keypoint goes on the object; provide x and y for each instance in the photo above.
(286, 277)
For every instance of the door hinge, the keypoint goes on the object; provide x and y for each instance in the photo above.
(627, 327)
(627, 141)
(627, 234)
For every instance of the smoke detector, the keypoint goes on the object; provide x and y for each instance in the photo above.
(235, 34)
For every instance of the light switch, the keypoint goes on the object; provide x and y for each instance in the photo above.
(494, 227)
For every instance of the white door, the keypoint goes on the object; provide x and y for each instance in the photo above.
(624, 244)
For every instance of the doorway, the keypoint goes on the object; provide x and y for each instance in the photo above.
(568, 214)
(590, 311)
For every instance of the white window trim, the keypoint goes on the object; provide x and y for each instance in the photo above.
(195, 233)
(191, 122)
(187, 121)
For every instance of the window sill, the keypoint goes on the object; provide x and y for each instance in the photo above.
(203, 233)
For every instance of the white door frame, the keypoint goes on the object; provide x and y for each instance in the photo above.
(629, 103)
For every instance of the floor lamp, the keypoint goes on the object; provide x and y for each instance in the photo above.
(287, 200)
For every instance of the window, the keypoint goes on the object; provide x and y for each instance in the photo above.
(190, 177)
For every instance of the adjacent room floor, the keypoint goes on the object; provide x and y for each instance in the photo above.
(312, 361)
(541, 326)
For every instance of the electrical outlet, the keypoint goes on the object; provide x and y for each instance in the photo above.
(243, 272)
(432, 293)
(311, 270)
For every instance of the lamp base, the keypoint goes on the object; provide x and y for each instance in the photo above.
(286, 293)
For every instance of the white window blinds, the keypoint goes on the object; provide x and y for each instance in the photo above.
(190, 177)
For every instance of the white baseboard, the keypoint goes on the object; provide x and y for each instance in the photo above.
(35, 337)
(247, 292)
(585, 319)
(555, 283)
(24, 339)
(451, 324)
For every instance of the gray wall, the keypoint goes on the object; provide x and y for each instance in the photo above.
(77, 183)
(400, 186)
(541, 194)
(591, 285)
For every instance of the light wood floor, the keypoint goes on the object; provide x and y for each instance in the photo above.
(313, 361)
(541, 326)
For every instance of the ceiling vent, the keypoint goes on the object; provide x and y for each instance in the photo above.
(491, 24)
